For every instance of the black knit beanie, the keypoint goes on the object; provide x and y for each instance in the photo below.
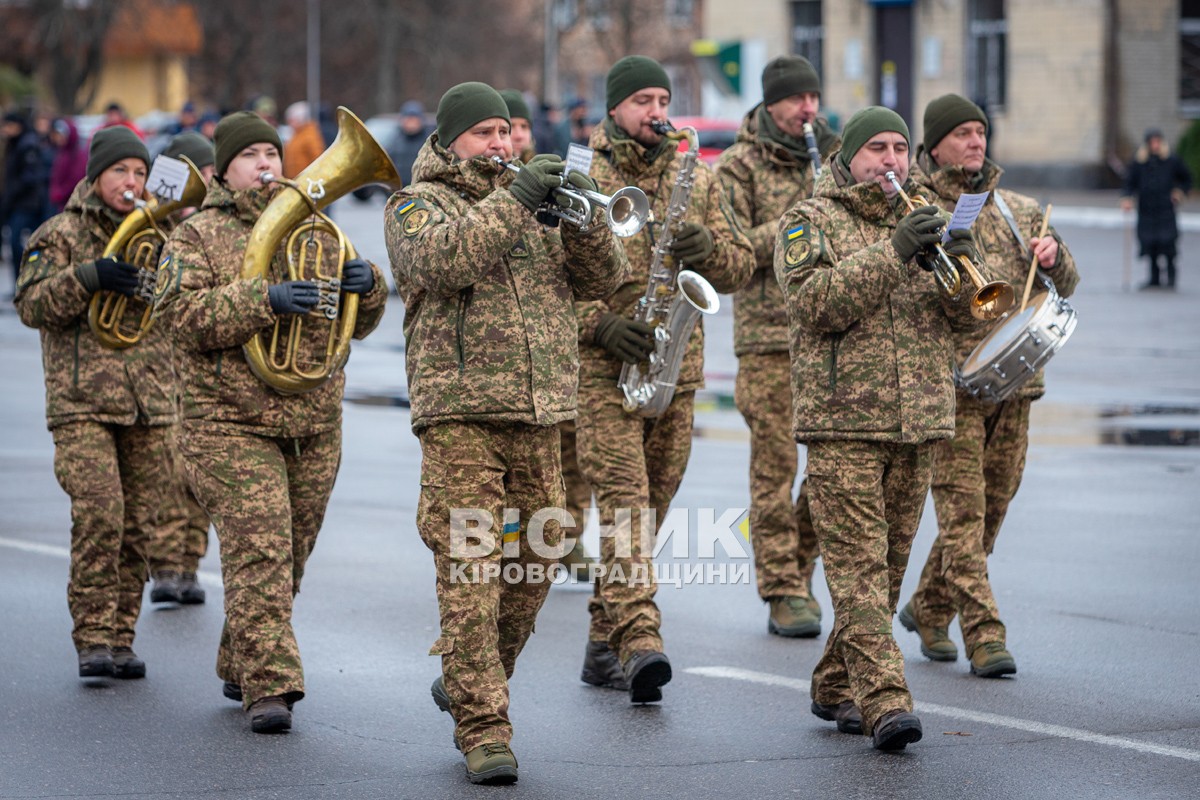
(631, 74)
(788, 75)
(946, 113)
(517, 107)
(237, 131)
(110, 145)
(195, 146)
(865, 124)
(464, 105)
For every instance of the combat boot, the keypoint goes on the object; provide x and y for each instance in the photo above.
(845, 714)
(577, 562)
(601, 667)
(896, 729)
(935, 642)
(165, 586)
(126, 664)
(646, 672)
(232, 691)
(191, 593)
(991, 660)
(492, 763)
(270, 715)
(95, 661)
(442, 701)
(793, 617)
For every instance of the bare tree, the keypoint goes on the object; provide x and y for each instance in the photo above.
(70, 44)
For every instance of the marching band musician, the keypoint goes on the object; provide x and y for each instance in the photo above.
(976, 474)
(633, 463)
(261, 463)
(872, 389)
(110, 411)
(492, 366)
(766, 171)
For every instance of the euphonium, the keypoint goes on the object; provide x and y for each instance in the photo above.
(626, 211)
(138, 241)
(674, 299)
(353, 160)
(989, 300)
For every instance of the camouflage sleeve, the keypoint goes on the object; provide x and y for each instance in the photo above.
(588, 314)
(442, 254)
(371, 305)
(595, 260)
(1031, 215)
(1064, 273)
(826, 294)
(732, 261)
(737, 182)
(203, 313)
(49, 295)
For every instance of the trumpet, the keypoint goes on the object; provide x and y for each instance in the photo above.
(626, 211)
(988, 300)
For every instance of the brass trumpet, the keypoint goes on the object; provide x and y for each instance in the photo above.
(626, 211)
(138, 241)
(989, 300)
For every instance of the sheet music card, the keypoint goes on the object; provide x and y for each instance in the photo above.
(167, 178)
(579, 158)
(966, 211)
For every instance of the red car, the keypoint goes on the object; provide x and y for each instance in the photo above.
(715, 135)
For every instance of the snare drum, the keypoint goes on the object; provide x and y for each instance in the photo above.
(1020, 344)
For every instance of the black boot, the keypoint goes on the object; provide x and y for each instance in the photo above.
(190, 591)
(165, 586)
(601, 667)
(1170, 272)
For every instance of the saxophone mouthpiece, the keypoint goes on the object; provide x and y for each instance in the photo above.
(662, 126)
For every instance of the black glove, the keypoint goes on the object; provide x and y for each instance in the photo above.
(537, 179)
(693, 244)
(626, 339)
(918, 230)
(109, 275)
(293, 297)
(962, 243)
(357, 276)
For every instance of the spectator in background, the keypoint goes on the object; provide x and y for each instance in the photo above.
(577, 117)
(114, 114)
(306, 142)
(70, 163)
(26, 184)
(189, 120)
(208, 124)
(413, 133)
(550, 132)
(1160, 181)
(265, 107)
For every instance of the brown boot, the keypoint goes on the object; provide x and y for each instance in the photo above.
(935, 642)
(270, 715)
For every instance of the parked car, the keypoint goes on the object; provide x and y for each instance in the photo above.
(715, 135)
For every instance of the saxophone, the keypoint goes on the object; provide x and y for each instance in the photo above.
(673, 301)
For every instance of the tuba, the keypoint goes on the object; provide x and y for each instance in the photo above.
(138, 241)
(674, 299)
(988, 300)
(294, 219)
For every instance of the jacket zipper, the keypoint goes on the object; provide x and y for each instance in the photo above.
(75, 364)
(464, 298)
(834, 342)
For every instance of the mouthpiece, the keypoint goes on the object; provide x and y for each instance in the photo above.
(662, 126)
(266, 177)
(128, 197)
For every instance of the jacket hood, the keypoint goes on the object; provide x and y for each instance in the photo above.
(245, 204)
(475, 177)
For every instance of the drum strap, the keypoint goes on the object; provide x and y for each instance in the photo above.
(1006, 212)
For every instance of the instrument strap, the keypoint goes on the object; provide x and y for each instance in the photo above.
(1006, 212)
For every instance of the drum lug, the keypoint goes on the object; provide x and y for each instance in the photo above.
(1028, 367)
(999, 371)
(1037, 340)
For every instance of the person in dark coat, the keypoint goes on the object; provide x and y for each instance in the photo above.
(70, 163)
(26, 183)
(1160, 181)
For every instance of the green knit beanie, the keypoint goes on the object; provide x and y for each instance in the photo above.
(111, 145)
(631, 74)
(517, 107)
(946, 113)
(236, 132)
(197, 148)
(463, 106)
(865, 124)
(788, 75)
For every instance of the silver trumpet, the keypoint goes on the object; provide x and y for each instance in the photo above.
(626, 211)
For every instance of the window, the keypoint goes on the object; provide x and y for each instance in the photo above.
(987, 53)
(807, 32)
(1189, 57)
(681, 13)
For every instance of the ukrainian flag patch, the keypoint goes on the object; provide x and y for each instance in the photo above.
(512, 532)
(795, 233)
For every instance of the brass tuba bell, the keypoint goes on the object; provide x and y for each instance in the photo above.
(138, 241)
(294, 219)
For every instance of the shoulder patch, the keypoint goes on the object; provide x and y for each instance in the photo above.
(799, 246)
(33, 267)
(162, 280)
(519, 250)
(413, 215)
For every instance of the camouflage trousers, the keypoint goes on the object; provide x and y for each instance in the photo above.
(866, 500)
(181, 538)
(632, 463)
(578, 493)
(975, 476)
(266, 498)
(114, 477)
(781, 532)
(488, 592)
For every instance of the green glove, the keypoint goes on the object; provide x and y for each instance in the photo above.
(693, 244)
(919, 230)
(537, 179)
(962, 244)
(626, 339)
(580, 181)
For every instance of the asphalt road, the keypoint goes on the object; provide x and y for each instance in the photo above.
(1095, 573)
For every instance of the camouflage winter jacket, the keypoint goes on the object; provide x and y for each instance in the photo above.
(212, 311)
(763, 179)
(623, 163)
(489, 322)
(1006, 259)
(872, 345)
(84, 379)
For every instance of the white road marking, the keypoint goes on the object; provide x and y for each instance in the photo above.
(55, 551)
(981, 717)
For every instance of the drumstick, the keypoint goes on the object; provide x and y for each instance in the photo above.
(1033, 263)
